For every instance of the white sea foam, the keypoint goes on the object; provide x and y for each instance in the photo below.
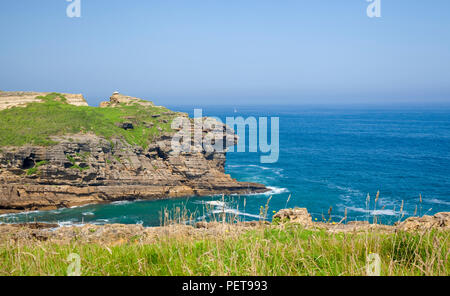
(70, 223)
(259, 167)
(272, 191)
(277, 171)
(331, 185)
(121, 202)
(216, 203)
(349, 190)
(235, 212)
(438, 201)
(275, 191)
(249, 166)
(380, 212)
(82, 206)
(88, 214)
(222, 207)
(19, 214)
(101, 222)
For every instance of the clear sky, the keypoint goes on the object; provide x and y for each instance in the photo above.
(230, 51)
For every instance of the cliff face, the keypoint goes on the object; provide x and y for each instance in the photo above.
(9, 99)
(88, 168)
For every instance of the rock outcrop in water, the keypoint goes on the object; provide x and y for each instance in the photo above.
(87, 168)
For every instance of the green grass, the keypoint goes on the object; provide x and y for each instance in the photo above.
(37, 122)
(35, 169)
(32, 171)
(270, 251)
(74, 164)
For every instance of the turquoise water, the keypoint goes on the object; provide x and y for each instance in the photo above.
(329, 157)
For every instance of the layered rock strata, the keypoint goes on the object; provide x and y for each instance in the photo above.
(9, 99)
(86, 168)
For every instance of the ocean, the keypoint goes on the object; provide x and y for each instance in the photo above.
(330, 158)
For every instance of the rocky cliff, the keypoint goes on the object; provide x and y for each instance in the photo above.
(9, 99)
(110, 164)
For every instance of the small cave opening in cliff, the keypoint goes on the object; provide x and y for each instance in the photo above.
(156, 153)
(161, 154)
(28, 163)
(209, 155)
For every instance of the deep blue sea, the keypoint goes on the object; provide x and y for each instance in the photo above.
(329, 157)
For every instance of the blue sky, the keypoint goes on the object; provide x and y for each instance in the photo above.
(230, 51)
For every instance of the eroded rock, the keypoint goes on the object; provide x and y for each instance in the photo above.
(86, 168)
(438, 221)
(296, 215)
(118, 99)
(9, 99)
(300, 216)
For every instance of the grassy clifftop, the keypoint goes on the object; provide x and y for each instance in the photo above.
(37, 122)
(291, 250)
